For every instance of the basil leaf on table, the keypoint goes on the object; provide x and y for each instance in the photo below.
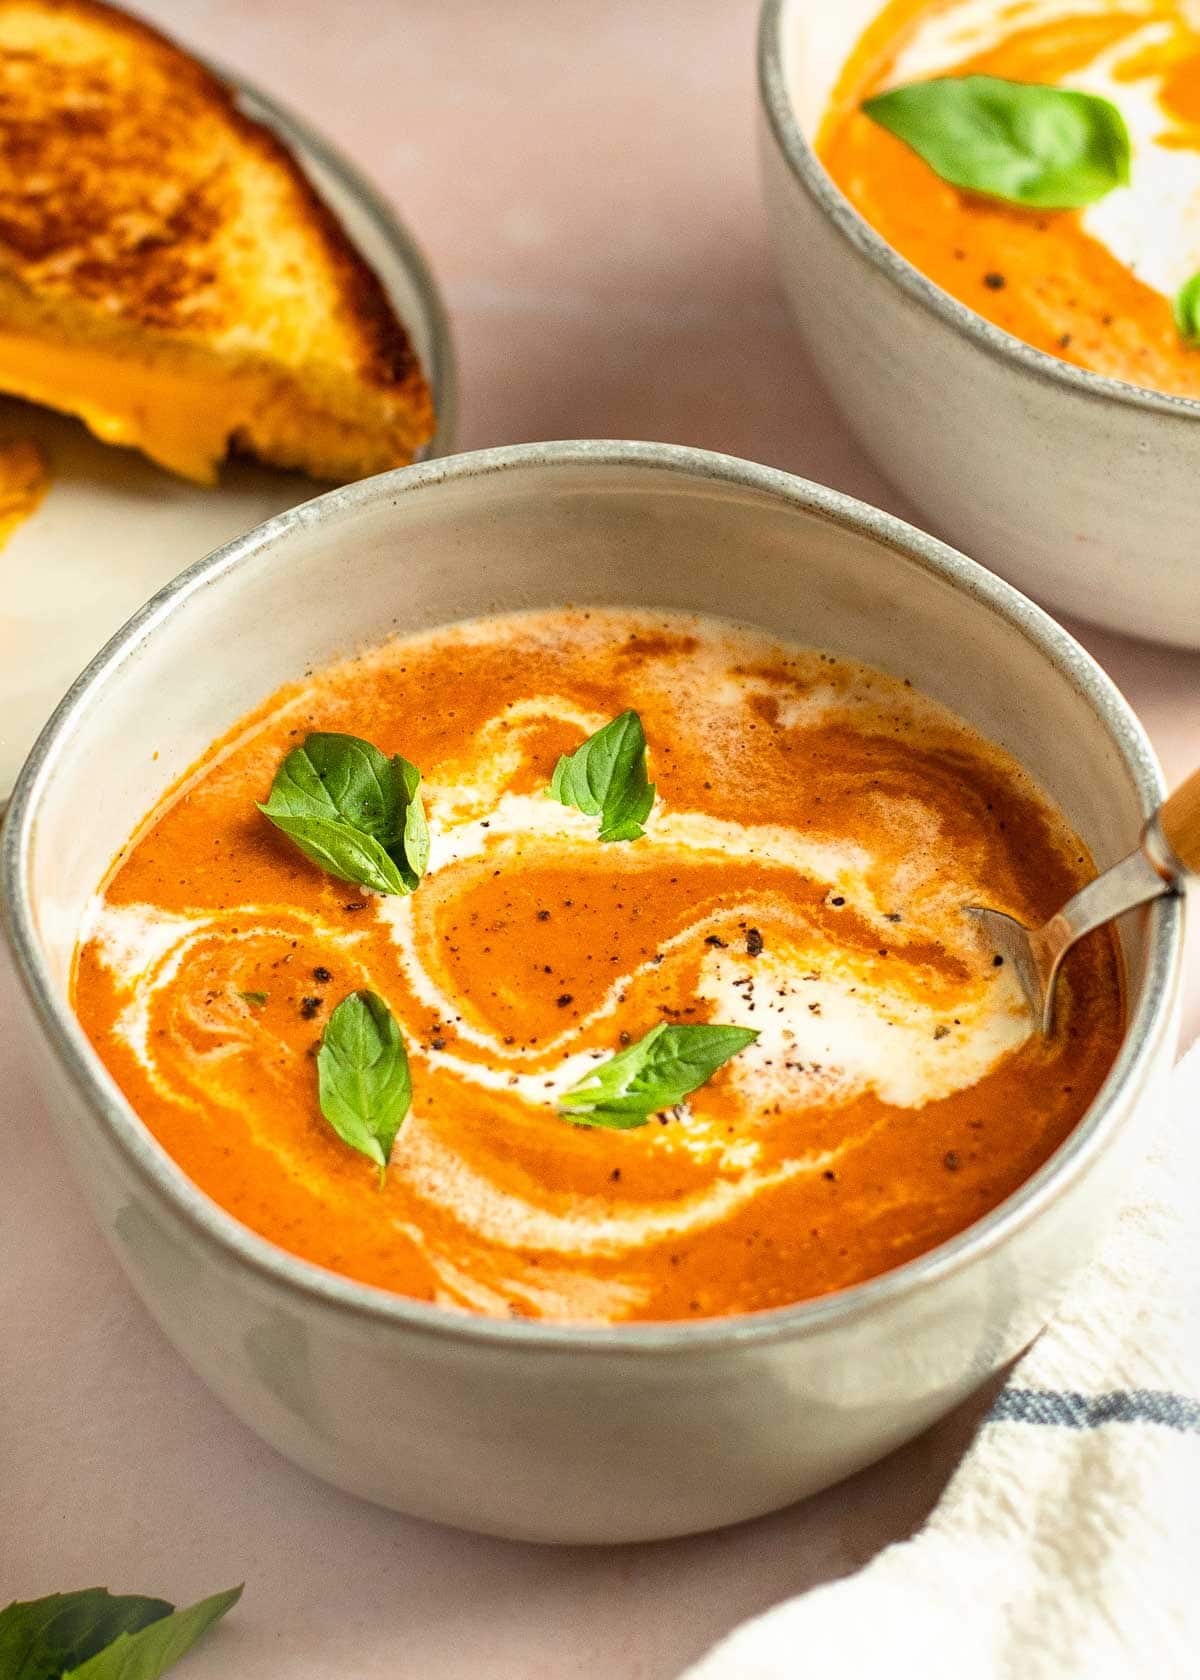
(606, 778)
(363, 1078)
(655, 1073)
(41, 1637)
(1186, 309)
(1048, 148)
(353, 811)
(156, 1648)
(98, 1635)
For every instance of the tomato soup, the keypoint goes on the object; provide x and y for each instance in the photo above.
(816, 829)
(1094, 286)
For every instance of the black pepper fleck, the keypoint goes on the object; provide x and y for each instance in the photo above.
(754, 942)
(309, 1007)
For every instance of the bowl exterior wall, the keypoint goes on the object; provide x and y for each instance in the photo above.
(557, 1445)
(1084, 501)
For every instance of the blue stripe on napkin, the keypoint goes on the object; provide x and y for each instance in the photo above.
(1088, 1411)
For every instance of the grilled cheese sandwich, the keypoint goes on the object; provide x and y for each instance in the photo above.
(167, 272)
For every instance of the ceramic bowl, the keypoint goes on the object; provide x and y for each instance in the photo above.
(1079, 488)
(519, 1428)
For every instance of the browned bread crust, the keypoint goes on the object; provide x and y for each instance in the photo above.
(138, 203)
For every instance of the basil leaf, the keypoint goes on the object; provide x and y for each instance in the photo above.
(156, 1648)
(353, 811)
(1048, 148)
(606, 777)
(41, 1637)
(363, 1078)
(1187, 310)
(655, 1073)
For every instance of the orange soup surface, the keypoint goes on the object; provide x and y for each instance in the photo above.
(1094, 287)
(817, 828)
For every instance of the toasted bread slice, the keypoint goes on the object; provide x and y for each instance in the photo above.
(168, 274)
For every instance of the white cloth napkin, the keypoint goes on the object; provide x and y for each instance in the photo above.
(1068, 1542)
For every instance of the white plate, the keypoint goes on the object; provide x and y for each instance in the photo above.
(113, 527)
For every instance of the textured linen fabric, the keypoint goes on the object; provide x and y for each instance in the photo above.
(1068, 1541)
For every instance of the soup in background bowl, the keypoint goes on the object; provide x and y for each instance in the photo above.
(514, 1424)
(1037, 456)
(1097, 284)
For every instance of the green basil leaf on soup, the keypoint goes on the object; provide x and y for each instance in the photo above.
(606, 778)
(353, 811)
(156, 1648)
(654, 1074)
(42, 1637)
(1187, 310)
(1048, 148)
(363, 1078)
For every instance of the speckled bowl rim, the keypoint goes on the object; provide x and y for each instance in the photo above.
(316, 1287)
(813, 177)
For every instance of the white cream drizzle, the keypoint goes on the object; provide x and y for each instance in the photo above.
(860, 1012)
(1153, 224)
(948, 34)
(145, 948)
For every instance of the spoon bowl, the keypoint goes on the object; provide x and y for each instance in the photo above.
(1168, 852)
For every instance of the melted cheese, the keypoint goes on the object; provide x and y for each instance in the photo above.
(24, 481)
(182, 421)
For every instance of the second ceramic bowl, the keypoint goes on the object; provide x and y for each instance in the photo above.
(1080, 489)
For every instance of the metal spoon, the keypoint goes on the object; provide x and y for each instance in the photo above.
(1168, 853)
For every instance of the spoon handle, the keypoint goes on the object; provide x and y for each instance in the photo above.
(1179, 820)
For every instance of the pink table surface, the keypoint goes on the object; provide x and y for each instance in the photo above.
(582, 177)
